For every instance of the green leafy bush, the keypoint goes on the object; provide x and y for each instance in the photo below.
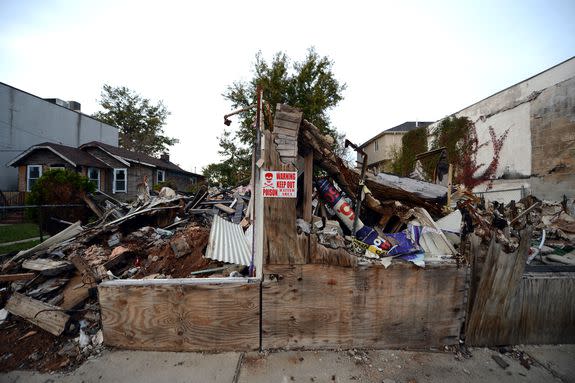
(59, 187)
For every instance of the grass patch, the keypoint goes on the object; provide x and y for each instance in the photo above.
(18, 246)
(16, 232)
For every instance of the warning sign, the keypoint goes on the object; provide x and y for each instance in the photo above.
(279, 184)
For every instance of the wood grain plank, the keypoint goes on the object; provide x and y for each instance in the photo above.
(308, 187)
(321, 306)
(43, 315)
(181, 317)
(280, 235)
(76, 291)
(494, 313)
(283, 131)
(16, 277)
(319, 254)
(283, 115)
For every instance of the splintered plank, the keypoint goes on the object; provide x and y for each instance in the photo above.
(280, 235)
(76, 291)
(46, 316)
(181, 314)
(225, 209)
(491, 316)
(16, 277)
(47, 266)
(321, 306)
(510, 306)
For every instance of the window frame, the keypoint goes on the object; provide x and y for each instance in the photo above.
(163, 173)
(114, 188)
(28, 168)
(92, 180)
(376, 145)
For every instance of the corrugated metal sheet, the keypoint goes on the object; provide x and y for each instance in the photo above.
(228, 243)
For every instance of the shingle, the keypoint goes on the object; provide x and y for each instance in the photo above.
(135, 156)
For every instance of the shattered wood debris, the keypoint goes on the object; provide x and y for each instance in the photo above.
(414, 220)
(53, 286)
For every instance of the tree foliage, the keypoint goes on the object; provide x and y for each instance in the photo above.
(413, 143)
(309, 85)
(140, 121)
(236, 166)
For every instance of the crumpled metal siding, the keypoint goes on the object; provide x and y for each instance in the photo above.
(228, 243)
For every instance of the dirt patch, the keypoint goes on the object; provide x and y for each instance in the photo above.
(34, 352)
(162, 260)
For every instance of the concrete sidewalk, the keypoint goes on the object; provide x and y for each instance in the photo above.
(553, 364)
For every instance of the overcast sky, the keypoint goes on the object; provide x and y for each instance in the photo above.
(401, 60)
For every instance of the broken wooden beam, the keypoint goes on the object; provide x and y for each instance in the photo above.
(47, 266)
(92, 205)
(84, 268)
(225, 209)
(76, 291)
(16, 277)
(48, 317)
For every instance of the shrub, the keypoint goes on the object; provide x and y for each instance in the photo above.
(59, 187)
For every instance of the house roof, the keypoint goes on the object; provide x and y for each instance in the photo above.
(402, 128)
(73, 156)
(128, 155)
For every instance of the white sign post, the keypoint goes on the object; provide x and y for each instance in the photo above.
(279, 184)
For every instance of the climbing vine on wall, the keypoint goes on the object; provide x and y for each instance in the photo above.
(413, 143)
(459, 136)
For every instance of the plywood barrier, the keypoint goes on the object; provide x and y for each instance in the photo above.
(181, 314)
(540, 311)
(324, 306)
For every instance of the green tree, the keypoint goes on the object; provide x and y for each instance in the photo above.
(140, 121)
(413, 143)
(309, 85)
(234, 169)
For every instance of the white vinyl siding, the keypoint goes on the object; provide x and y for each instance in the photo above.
(32, 174)
(120, 181)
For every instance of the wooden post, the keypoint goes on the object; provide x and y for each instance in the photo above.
(308, 186)
(449, 183)
(41, 220)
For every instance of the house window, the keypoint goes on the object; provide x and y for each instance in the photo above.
(34, 172)
(376, 145)
(94, 176)
(161, 175)
(120, 180)
(57, 167)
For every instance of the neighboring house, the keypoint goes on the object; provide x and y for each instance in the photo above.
(27, 120)
(538, 155)
(114, 170)
(380, 149)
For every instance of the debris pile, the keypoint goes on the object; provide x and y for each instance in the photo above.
(51, 288)
(553, 223)
(374, 218)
